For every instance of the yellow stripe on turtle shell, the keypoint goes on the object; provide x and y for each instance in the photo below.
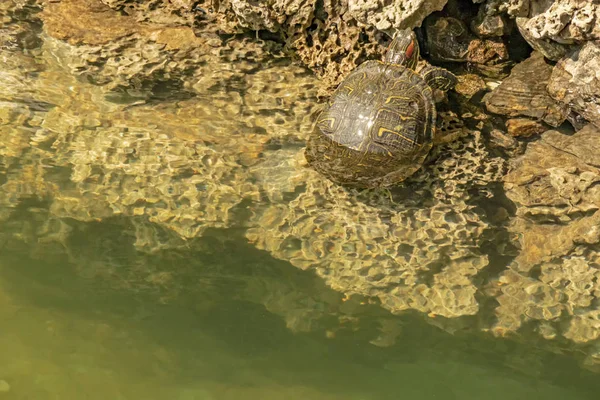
(383, 130)
(389, 99)
(371, 144)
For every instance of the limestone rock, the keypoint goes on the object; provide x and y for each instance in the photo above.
(550, 49)
(514, 8)
(575, 81)
(324, 35)
(522, 95)
(566, 21)
(272, 14)
(86, 22)
(392, 15)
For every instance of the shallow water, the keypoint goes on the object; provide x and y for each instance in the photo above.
(142, 255)
(68, 337)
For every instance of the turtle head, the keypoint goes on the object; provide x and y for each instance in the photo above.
(404, 49)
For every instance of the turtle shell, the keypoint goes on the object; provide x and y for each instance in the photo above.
(377, 128)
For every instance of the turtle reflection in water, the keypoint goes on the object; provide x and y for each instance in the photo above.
(380, 122)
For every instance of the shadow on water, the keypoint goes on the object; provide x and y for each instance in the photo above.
(227, 344)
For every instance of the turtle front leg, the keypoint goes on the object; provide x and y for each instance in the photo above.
(438, 78)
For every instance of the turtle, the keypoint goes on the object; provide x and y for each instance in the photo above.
(379, 124)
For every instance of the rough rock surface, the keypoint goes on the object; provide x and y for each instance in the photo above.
(489, 22)
(575, 81)
(554, 282)
(566, 21)
(549, 48)
(524, 127)
(523, 95)
(514, 8)
(389, 15)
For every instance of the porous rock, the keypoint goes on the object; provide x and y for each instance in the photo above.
(552, 26)
(469, 85)
(566, 21)
(523, 95)
(550, 49)
(555, 276)
(174, 12)
(397, 14)
(409, 254)
(575, 81)
(514, 8)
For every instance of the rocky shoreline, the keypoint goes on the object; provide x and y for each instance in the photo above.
(182, 115)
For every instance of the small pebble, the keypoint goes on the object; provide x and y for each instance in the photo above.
(4, 386)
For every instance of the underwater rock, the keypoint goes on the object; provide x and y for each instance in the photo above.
(108, 48)
(140, 59)
(86, 22)
(4, 386)
(520, 95)
(127, 48)
(556, 176)
(417, 251)
(575, 81)
(182, 165)
(555, 275)
(174, 12)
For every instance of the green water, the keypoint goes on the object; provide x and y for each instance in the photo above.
(129, 263)
(65, 337)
